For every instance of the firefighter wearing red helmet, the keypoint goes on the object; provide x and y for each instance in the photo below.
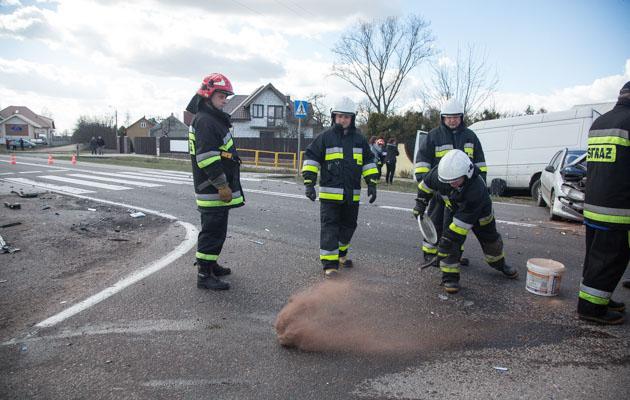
(215, 166)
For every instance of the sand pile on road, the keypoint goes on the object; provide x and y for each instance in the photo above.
(358, 317)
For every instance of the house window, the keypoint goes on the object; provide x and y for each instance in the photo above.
(258, 111)
(143, 124)
(275, 112)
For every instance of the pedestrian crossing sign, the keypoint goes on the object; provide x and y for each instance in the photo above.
(301, 108)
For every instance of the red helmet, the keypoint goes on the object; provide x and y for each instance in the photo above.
(215, 81)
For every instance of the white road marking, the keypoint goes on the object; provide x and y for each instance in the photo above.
(7, 173)
(114, 180)
(279, 194)
(84, 182)
(30, 172)
(152, 179)
(144, 175)
(498, 220)
(39, 165)
(52, 188)
(188, 243)
(169, 174)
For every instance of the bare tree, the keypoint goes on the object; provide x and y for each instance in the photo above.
(321, 111)
(375, 57)
(470, 80)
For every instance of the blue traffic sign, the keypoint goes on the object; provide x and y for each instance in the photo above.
(300, 108)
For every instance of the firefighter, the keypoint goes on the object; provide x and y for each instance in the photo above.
(215, 166)
(607, 213)
(451, 134)
(342, 156)
(468, 205)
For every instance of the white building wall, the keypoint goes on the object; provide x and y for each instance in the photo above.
(244, 128)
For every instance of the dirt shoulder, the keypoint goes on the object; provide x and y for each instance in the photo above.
(70, 249)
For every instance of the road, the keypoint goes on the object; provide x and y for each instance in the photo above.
(385, 330)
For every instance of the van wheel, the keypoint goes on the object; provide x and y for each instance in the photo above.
(537, 194)
(498, 187)
(552, 201)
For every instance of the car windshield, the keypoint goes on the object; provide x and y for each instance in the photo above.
(572, 155)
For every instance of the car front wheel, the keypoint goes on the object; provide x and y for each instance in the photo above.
(537, 194)
(552, 201)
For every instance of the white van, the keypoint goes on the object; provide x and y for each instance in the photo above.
(517, 149)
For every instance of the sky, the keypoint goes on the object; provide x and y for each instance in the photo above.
(68, 58)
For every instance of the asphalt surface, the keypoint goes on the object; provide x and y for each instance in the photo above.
(391, 333)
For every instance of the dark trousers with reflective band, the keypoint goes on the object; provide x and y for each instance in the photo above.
(338, 223)
(491, 244)
(607, 256)
(214, 223)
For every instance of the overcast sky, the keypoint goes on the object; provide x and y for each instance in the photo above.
(147, 58)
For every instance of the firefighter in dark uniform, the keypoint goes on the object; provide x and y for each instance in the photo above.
(459, 184)
(342, 156)
(607, 213)
(451, 134)
(215, 166)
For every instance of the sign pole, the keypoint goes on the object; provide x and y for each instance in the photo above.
(299, 147)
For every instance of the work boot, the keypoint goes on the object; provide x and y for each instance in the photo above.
(509, 271)
(464, 262)
(608, 318)
(616, 306)
(450, 283)
(331, 272)
(206, 279)
(345, 262)
(219, 270)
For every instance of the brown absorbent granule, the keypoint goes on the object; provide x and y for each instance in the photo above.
(349, 316)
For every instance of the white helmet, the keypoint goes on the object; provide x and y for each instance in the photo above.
(452, 107)
(344, 106)
(454, 165)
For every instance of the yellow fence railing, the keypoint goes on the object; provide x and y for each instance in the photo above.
(265, 158)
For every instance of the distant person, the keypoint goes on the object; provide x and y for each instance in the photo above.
(216, 176)
(21, 144)
(606, 213)
(342, 157)
(378, 149)
(451, 134)
(93, 145)
(100, 145)
(390, 160)
(470, 208)
(8, 144)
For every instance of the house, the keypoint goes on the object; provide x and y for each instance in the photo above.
(20, 122)
(140, 128)
(171, 127)
(265, 113)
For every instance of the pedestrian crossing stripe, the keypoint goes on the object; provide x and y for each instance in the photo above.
(84, 182)
(114, 180)
(53, 188)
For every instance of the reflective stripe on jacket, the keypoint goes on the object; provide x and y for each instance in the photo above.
(214, 159)
(341, 159)
(440, 141)
(607, 200)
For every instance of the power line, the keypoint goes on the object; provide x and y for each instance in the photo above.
(250, 9)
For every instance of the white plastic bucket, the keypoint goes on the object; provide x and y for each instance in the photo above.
(544, 276)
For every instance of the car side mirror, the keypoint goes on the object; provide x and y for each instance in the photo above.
(550, 168)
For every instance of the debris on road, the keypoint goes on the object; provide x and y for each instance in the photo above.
(138, 214)
(443, 297)
(6, 248)
(25, 195)
(502, 369)
(91, 209)
(13, 206)
(10, 224)
(45, 208)
(260, 242)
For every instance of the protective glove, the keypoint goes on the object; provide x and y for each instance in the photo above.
(309, 191)
(372, 193)
(421, 206)
(225, 194)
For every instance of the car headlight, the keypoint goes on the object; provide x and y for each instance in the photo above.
(572, 193)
